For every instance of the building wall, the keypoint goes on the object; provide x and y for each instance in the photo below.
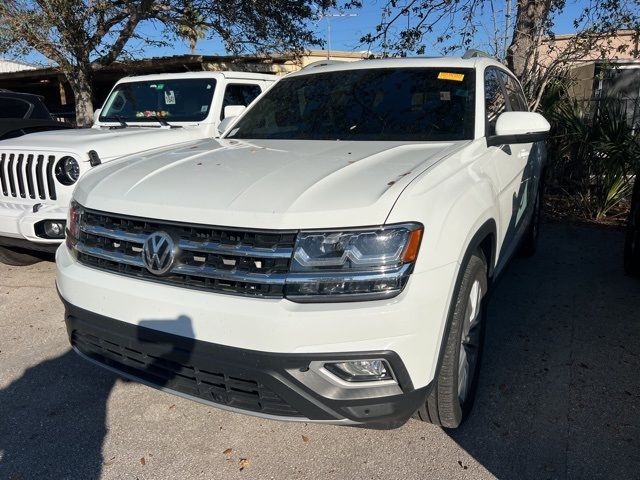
(622, 46)
(7, 66)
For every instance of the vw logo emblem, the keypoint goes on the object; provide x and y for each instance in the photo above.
(158, 253)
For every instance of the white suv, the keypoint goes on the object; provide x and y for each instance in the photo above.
(329, 261)
(38, 172)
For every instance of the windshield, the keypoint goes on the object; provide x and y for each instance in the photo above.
(406, 104)
(171, 100)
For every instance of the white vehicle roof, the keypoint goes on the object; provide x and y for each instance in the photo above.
(416, 62)
(214, 74)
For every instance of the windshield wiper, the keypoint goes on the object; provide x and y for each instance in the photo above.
(161, 121)
(119, 118)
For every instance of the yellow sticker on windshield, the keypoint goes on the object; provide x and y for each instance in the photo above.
(456, 77)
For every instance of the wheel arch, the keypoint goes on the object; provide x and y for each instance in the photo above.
(485, 240)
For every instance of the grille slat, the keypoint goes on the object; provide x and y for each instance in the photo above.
(20, 167)
(40, 177)
(241, 262)
(28, 169)
(27, 175)
(12, 175)
(50, 182)
(4, 182)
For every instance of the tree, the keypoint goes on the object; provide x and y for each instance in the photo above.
(81, 36)
(453, 25)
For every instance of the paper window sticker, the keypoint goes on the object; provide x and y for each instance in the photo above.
(456, 77)
(445, 96)
(169, 97)
(204, 108)
(233, 132)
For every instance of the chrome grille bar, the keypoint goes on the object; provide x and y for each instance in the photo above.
(243, 262)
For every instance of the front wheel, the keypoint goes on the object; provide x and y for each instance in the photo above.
(17, 257)
(454, 388)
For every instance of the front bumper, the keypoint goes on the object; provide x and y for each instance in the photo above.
(271, 385)
(18, 220)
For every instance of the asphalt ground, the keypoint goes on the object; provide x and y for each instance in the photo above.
(559, 393)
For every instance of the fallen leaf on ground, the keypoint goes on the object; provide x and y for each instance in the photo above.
(228, 451)
(305, 439)
(244, 463)
(143, 461)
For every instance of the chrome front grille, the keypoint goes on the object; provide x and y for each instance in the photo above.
(27, 175)
(242, 262)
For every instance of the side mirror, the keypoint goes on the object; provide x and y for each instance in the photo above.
(519, 127)
(224, 124)
(96, 114)
(233, 110)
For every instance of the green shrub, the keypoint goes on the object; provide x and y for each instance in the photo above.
(594, 153)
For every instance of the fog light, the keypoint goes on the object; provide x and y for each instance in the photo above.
(360, 370)
(54, 228)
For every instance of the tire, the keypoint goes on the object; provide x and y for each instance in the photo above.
(453, 392)
(529, 244)
(17, 257)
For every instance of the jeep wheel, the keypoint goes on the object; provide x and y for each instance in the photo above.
(454, 388)
(17, 257)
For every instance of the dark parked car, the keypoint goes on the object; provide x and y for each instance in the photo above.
(22, 113)
(632, 244)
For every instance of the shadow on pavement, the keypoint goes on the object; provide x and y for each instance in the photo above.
(53, 418)
(52, 423)
(558, 394)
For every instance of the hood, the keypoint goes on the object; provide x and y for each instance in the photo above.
(108, 142)
(263, 184)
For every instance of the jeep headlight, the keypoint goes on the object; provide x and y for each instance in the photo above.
(348, 265)
(67, 170)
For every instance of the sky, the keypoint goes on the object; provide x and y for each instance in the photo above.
(345, 33)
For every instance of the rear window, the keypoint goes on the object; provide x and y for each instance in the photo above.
(411, 104)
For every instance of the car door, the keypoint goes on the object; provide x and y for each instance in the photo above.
(511, 165)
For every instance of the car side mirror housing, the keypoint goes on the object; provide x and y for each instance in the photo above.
(519, 127)
(96, 114)
(233, 110)
(224, 124)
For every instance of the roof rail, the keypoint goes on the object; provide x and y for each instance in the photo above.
(323, 63)
(473, 53)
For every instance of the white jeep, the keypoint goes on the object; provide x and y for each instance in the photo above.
(38, 172)
(329, 260)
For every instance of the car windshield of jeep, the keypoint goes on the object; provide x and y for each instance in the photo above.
(401, 104)
(184, 100)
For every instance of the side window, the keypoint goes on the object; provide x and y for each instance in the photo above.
(13, 108)
(494, 99)
(517, 102)
(239, 94)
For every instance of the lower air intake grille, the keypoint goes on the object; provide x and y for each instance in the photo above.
(230, 388)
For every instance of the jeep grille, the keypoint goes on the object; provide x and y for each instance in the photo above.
(27, 175)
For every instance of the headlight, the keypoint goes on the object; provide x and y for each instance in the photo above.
(67, 170)
(73, 224)
(353, 264)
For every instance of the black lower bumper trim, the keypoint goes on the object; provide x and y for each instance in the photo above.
(248, 381)
(24, 244)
